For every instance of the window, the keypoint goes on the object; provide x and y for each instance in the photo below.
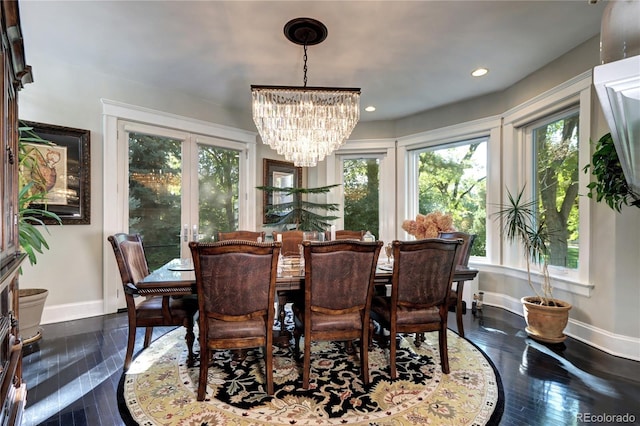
(452, 179)
(361, 180)
(555, 176)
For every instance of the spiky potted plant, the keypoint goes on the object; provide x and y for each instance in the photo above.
(546, 316)
(32, 192)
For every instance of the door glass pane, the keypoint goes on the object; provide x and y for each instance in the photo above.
(556, 170)
(218, 189)
(155, 181)
(452, 179)
(361, 179)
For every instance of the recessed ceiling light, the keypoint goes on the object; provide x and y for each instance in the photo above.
(479, 72)
(370, 108)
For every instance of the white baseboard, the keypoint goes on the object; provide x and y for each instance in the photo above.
(72, 311)
(611, 343)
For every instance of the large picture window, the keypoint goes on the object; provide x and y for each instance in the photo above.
(361, 179)
(452, 179)
(556, 173)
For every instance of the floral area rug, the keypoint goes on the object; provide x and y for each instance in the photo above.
(159, 389)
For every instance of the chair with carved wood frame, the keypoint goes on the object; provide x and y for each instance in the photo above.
(236, 284)
(345, 234)
(290, 241)
(338, 289)
(422, 274)
(241, 235)
(455, 295)
(154, 311)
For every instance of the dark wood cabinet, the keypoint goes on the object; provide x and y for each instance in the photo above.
(15, 74)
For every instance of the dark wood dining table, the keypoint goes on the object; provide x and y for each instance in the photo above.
(177, 278)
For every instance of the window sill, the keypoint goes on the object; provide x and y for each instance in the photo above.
(559, 283)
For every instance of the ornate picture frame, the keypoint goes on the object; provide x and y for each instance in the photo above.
(68, 160)
(281, 174)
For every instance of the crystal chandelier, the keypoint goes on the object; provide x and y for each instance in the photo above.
(305, 124)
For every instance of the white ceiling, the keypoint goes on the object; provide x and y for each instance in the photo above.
(407, 56)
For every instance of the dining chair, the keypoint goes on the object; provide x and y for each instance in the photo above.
(422, 274)
(241, 235)
(345, 234)
(236, 284)
(455, 295)
(290, 241)
(338, 289)
(154, 311)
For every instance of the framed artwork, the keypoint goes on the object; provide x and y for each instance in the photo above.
(282, 175)
(66, 166)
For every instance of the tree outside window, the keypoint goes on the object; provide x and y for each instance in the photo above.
(361, 179)
(452, 179)
(556, 171)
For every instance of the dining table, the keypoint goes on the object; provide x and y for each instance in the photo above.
(177, 278)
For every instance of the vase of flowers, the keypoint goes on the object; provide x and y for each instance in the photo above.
(429, 225)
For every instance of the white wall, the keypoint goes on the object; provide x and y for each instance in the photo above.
(72, 270)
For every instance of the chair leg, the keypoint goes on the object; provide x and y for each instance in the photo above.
(147, 336)
(444, 353)
(268, 363)
(364, 356)
(131, 341)
(306, 368)
(204, 369)
(392, 353)
(190, 338)
(459, 317)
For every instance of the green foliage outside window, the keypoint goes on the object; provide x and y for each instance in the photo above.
(155, 178)
(452, 179)
(361, 192)
(557, 171)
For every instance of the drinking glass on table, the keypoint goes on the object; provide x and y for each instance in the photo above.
(389, 252)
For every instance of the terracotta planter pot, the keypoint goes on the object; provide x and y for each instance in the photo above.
(545, 323)
(31, 302)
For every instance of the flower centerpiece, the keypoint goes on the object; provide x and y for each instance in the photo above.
(428, 226)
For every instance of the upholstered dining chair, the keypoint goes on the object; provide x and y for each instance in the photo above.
(154, 311)
(338, 288)
(345, 234)
(236, 284)
(290, 241)
(241, 235)
(455, 295)
(422, 275)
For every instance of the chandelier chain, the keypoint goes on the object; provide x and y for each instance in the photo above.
(305, 65)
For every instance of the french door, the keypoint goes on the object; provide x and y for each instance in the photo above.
(181, 187)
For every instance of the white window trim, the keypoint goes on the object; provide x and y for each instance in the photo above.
(114, 172)
(407, 159)
(516, 169)
(385, 150)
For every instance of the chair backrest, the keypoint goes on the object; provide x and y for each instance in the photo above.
(290, 242)
(130, 256)
(241, 235)
(235, 278)
(423, 272)
(467, 244)
(345, 234)
(339, 275)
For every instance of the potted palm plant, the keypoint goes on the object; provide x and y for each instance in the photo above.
(300, 212)
(32, 191)
(546, 316)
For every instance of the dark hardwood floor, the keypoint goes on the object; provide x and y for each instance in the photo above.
(72, 373)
